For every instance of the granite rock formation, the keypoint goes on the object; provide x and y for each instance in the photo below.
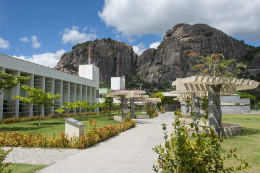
(160, 65)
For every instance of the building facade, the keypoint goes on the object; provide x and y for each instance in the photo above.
(72, 88)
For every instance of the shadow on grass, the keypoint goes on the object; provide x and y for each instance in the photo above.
(18, 129)
(249, 131)
(47, 123)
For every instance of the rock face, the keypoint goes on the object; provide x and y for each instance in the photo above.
(170, 61)
(163, 64)
(112, 57)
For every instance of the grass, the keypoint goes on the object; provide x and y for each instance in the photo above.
(247, 143)
(56, 125)
(23, 168)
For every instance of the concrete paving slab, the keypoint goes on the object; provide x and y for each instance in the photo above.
(128, 152)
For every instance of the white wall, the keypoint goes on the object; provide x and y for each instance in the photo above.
(117, 83)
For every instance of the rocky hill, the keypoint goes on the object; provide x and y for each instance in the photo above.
(112, 57)
(161, 65)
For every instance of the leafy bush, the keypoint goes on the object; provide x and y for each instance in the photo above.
(150, 109)
(163, 110)
(127, 118)
(181, 154)
(95, 135)
(3, 154)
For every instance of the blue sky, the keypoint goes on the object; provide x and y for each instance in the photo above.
(42, 30)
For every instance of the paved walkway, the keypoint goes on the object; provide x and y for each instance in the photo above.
(128, 152)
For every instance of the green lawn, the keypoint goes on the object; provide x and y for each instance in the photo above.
(23, 168)
(56, 125)
(247, 143)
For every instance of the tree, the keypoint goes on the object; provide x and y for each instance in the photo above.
(163, 99)
(108, 105)
(38, 98)
(70, 105)
(216, 66)
(8, 81)
(84, 105)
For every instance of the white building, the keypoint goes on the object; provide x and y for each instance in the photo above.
(117, 83)
(72, 88)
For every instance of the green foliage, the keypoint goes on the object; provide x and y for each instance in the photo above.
(95, 135)
(70, 105)
(3, 155)
(105, 85)
(59, 111)
(108, 105)
(251, 53)
(150, 109)
(181, 154)
(244, 94)
(164, 99)
(8, 81)
(216, 65)
(127, 118)
(38, 98)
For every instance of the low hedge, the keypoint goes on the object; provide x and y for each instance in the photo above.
(33, 118)
(95, 135)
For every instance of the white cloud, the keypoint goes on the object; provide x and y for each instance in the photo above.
(24, 39)
(238, 18)
(139, 48)
(46, 59)
(35, 44)
(4, 43)
(74, 36)
(85, 28)
(155, 44)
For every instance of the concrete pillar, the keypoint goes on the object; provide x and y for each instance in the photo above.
(31, 84)
(73, 94)
(66, 92)
(124, 107)
(52, 92)
(43, 87)
(215, 114)
(1, 98)
(79, 95)
(132, 108)
(196, 104)
(94, 99)
(16, 92)
(90, 95)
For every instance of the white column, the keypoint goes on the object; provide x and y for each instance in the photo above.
(66, 92)
(43, 87)
(16, 92)
(52, 92)
(73, 95)
(31, 84)
(1, 98)
(94, 99)
(90, 94)
(80, 95)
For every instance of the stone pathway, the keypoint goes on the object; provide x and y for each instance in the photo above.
(38, 156)
(128, 152)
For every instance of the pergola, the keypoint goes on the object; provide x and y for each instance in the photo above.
(213, 87)
(127, 94)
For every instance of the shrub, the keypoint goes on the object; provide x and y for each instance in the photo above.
(53, 116)
(150, 109)
(163, 110)
(181, 154)
(127, 118)
(3, 154)
(92, 137)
